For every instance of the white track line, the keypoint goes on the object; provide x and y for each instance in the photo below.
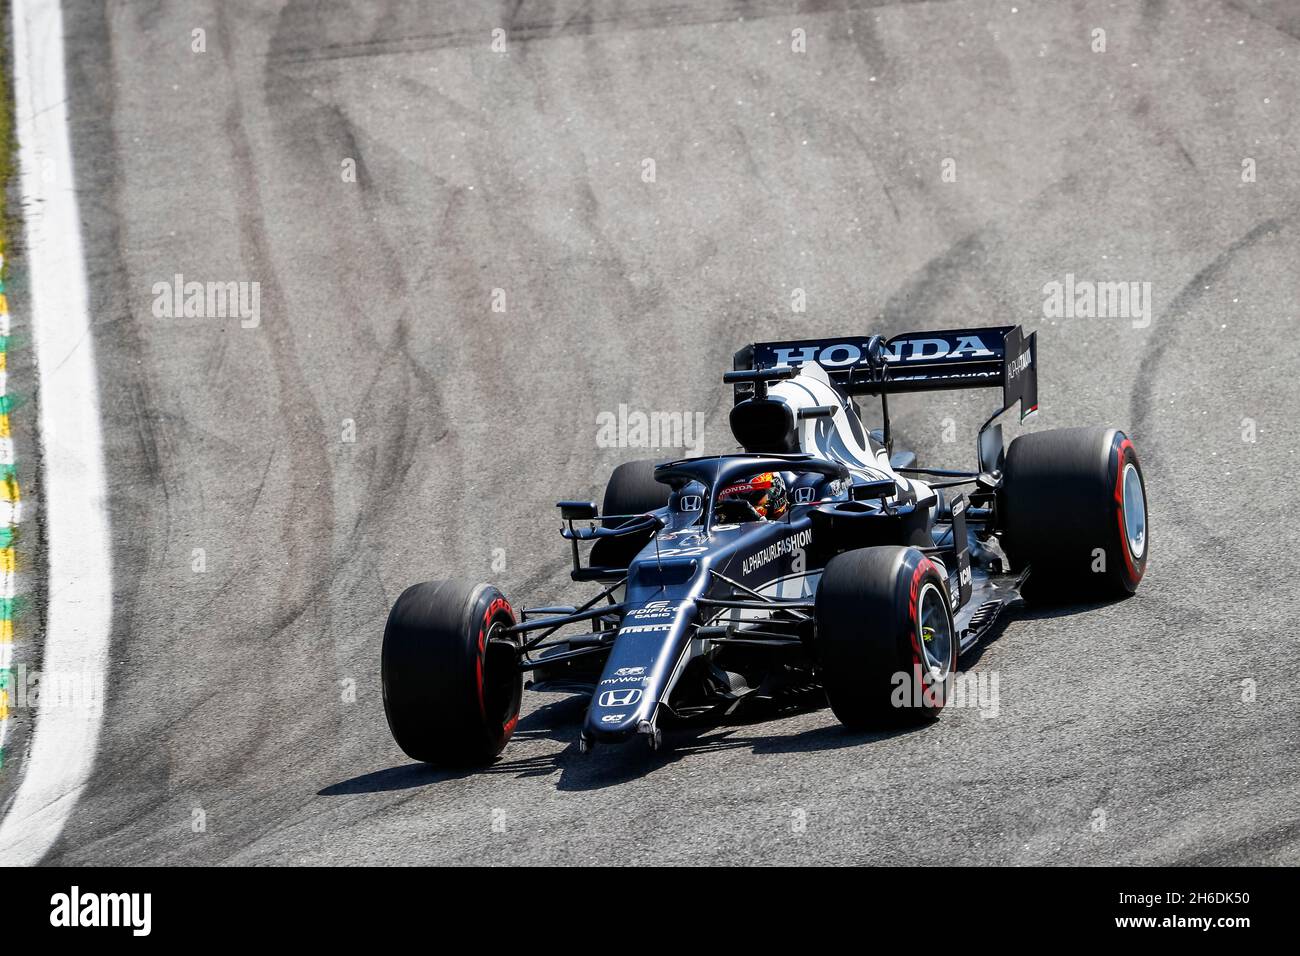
(72, 492)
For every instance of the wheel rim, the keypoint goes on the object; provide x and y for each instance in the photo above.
(936, 631)
(501, 679)
(1135, 511)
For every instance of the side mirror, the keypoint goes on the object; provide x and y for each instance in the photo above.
(759, 377)
(876, 351)
(816, 411)
(885, 488)
(577, 510)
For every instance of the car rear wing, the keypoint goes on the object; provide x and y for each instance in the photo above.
(997, 356)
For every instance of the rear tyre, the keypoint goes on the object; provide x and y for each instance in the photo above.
(452, 687)
(884, 641)
(1074, 510)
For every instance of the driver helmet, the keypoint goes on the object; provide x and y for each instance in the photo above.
(766, 492)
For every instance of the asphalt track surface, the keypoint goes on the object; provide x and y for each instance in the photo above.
(774, 170)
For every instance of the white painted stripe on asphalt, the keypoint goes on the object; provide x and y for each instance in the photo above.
(8, 588)
(73, 498)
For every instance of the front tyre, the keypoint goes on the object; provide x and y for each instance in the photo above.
(884, 642)
(632, 490)
(1074, 510)
(452, 685)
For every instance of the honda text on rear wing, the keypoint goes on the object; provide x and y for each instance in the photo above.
(992, 357)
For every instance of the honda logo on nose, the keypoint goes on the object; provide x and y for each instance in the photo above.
(619, 698)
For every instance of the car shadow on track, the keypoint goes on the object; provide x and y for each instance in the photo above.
(613, 766)
(759, 731)
(558, 720)
(1028, 612)
(561, 720)
(405, 777)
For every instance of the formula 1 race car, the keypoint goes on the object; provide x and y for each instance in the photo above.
(817, 557)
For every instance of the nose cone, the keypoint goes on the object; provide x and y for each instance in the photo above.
(617, 710)
(638, 670)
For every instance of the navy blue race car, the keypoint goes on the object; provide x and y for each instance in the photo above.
(819, 557)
